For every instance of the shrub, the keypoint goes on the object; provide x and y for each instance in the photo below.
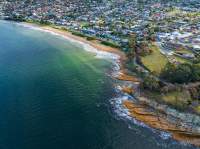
(90, 38)
(182, 73)
(107, 43)
(151, 83)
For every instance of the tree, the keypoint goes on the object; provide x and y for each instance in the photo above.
(151, 83)
(132, 46)
(182, 73)
(195, 73)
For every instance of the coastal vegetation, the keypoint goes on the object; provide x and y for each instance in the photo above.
(163, 79)
(182, 73)
(111, 44)
(78, 34)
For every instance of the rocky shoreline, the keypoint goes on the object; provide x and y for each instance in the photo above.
(184, 127)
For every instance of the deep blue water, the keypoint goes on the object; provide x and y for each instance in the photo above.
(54, 95)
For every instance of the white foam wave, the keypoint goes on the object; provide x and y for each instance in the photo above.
(122, 112)
(114, 58)
(165, 135)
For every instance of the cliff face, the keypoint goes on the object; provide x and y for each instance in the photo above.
(183, 127)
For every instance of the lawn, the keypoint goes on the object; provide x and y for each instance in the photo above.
(156, 61)
(181, 60)
(178, 99)
(175, 12)
(182, 51)
(197, 109)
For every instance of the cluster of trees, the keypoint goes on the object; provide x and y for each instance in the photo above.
(143, 49)
(151, 83)
(195, 92)
(137, 47)
(132, 46)
(19, 18)
(182, 73)
(196, 60)
(111, 44)
(44, 22)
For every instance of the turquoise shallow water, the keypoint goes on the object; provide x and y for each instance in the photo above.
(54, 95)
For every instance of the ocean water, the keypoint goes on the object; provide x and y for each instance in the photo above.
(55, 95)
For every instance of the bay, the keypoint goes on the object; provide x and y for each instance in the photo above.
(55, 95)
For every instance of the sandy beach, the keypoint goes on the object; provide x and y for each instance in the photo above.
(94, 43)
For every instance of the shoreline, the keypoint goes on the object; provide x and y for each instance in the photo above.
(101, 51)
(127, 84)
(177, 130)
(81, 40)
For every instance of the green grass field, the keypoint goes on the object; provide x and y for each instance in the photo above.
(156, 61)
(197, 109)
(178, 99)
(181, 60)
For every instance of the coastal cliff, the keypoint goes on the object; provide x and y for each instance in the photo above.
(184, 127)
